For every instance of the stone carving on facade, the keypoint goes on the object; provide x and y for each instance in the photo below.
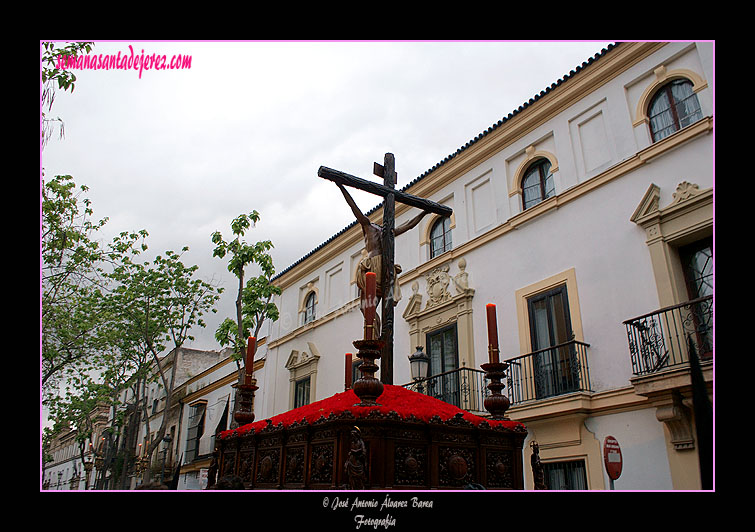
(415, 302)
(684, 191)
(437, 286)
(677, 418)
(461, 279)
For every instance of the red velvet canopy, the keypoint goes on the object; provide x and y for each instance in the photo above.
(405, 403)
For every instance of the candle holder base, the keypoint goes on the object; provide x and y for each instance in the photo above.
(245, 411)
(368, 388)
(496, 403)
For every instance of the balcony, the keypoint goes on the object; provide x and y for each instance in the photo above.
(662, 340)
(545, 373)
(556, 370)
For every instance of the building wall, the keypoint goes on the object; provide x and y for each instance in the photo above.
(604, 162)
(643, 449)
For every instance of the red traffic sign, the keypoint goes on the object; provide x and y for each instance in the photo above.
(612, 457)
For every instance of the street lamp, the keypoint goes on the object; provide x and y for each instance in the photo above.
(88, 464)
(419, 363)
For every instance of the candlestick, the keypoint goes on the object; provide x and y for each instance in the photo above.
(370, 304)
(347, 381)
(492, 333)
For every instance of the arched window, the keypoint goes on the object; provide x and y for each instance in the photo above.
(309, 308)
(440, 236)
(673, 107)
(537, 183)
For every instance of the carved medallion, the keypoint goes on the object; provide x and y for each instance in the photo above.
(410, 464)
(456, 466)
(499, 469)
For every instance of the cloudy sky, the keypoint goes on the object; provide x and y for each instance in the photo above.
(181, 153)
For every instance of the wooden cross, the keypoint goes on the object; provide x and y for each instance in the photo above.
(388, 191)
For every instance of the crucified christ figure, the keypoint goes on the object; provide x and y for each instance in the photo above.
(373, 243)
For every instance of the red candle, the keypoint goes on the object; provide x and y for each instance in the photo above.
(348, 372)
(370, 303)
(492, 332)
(251, 348)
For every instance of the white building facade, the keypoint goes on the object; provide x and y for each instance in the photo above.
(573, 215)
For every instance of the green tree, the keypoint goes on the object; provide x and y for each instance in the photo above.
(158, 304)
(53, 78)
(74, 325)
(254, 300)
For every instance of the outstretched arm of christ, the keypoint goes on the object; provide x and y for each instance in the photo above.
(404, 227)
(361, 218)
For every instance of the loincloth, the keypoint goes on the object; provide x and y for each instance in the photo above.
(374, 264)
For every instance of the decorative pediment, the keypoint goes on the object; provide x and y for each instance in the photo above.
(443, 309)
(648, 205)
(686, 195)
(438, 290)
(298, 359)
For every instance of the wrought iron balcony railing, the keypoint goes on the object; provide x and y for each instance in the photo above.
(549, 372)
(465, 388)
(662, 339)
(557, 370)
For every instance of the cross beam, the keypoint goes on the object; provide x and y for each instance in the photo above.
(381, 190)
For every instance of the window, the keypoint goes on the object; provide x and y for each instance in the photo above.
(673, 107)
(301, 392)
(440, 237)
(302, 366)
(556, 370)
(196, 428)
(309, 308)
(565, 475)
(697, 262)
(444, 358)
(537, 183)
